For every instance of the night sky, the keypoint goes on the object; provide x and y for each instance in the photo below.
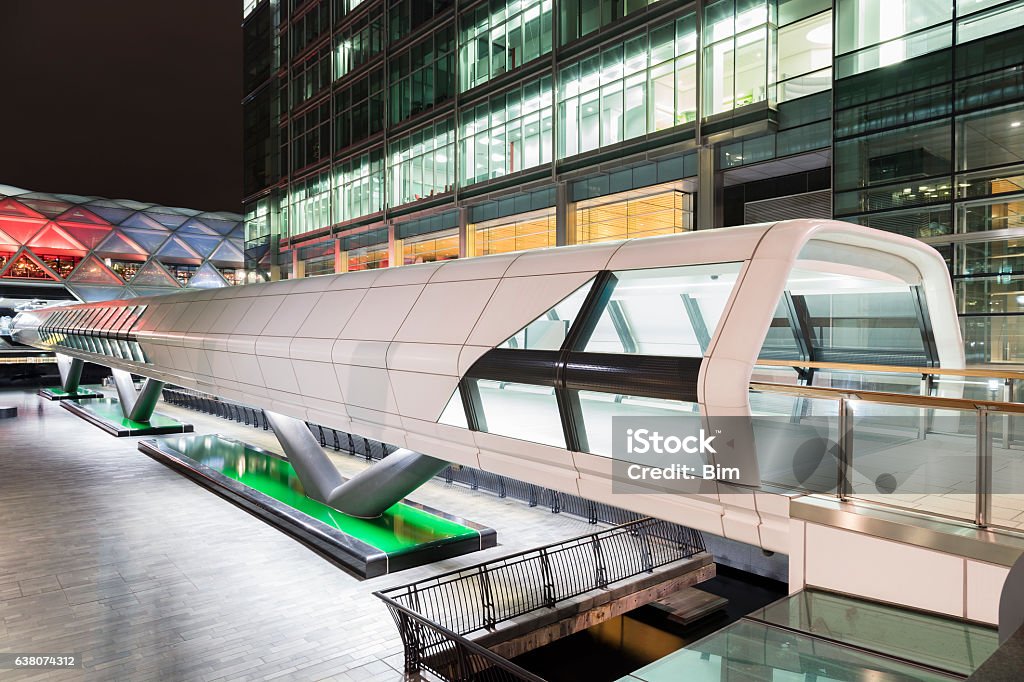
(134, 99)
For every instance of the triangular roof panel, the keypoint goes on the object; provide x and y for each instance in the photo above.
(117, 243)
(7, 240)
(153, 291)
(112, 214)
(16, 208)
(152, 274)
(26, 266)
(227, 254)
(78, 214)
(21, 229)
(219, 225)
(207, 277)
(92, 293)
(171, 220)
(177, 250)
(150, 240)
(93, 271)
(89, 235)
(202, 244)
(142, 220)
(53, 238)
(196, 226)
(50, 206)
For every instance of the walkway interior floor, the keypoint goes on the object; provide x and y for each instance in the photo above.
(146, 575)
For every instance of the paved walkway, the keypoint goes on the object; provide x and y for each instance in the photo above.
(108, 554)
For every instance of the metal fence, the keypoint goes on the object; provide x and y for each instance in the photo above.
(430, 611)
(370, 450)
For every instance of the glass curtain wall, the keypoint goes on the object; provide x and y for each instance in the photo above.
(507, 133)
(422, 164)
(514, 233)
(804, 54)
(652, 211)
(642, 85)
(739, 41)
(309, 205)
(498, 37)
(927, 143)
(360, 186)
(578, 18)
(431, 247)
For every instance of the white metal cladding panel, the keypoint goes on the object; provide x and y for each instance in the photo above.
(317, 350)
(290, 317)
(363, 279)
(278, 374)
(233, 312)
(406, 275)
(367, 387)
(446, 312)
(381, 312)
(328, 317)
(590, 257)
(362, 353)
(317, 380)
(727, 244)
(473, 269)
(421, 396)
(189, 314)
(517, 301)
(259, 314)
(424, 357)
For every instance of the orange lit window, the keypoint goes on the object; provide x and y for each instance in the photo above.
(652, 211)
(515, 233)
(438, 246)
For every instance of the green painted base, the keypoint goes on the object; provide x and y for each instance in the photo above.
(106, 414)
(406, 535)
(61, 394)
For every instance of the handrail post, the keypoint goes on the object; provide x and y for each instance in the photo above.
(600, 568)
(487, 598)
(646, 554)
(1007, 397)
(983, 485)
(927, 384)
(547, 578)
(845, 449)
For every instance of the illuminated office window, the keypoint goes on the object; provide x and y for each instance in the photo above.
(514, 233)
(507, 133)
(422, 164)
(499, 38)
(309, 205)
(432, 247)
(739, 61)
(804, 56)
(627, 90)
(368, 257)
(652, 211)
(577, 18)
(876, 33)
(360, 186)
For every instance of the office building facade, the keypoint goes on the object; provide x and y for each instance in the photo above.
(387, 132)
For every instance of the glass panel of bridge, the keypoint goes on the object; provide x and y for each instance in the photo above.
(524, 411)
(753, 651)
(549, 330)
(599, 408)
(937, 642)
(663, 311)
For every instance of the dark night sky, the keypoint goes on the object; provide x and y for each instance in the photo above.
(134, 99)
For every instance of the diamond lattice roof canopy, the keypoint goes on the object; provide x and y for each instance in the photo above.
(92, 241)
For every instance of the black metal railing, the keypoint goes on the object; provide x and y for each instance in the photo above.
(478, 598)
(475, 479)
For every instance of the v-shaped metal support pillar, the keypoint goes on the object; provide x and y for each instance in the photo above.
(136, 405)
(70, 372)
(366, 495)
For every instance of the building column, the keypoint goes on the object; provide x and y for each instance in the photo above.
(340, 258)
(709, 189)
(467, 235)
(565, 216)
(275, 252)
(70, 372)
(298, 265)
(395, 255)
(136, 405)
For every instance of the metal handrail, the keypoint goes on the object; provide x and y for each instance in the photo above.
(884, 397)
(449, 655)
(970, 372)
(480, 597)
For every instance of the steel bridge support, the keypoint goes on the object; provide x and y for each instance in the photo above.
(136, 405)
